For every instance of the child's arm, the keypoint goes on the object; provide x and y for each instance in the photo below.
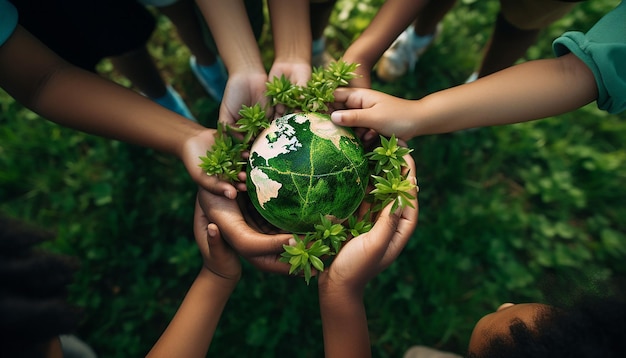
(532, 90)
(234, 37)
(190, 332)
(71, 97)
(390, 20)
(291, 31)
(341, 286)
(590, 69)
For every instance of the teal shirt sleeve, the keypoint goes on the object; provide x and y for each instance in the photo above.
(603, 50)
(8, 20)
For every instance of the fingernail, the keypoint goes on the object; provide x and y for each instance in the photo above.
(229, 194)
(211, 230)
(292, 242)
(336, 117)
(369, 135)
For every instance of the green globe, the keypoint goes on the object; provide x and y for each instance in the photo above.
(302, 166)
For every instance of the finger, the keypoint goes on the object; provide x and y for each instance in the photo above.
(384, 229)
(368, 136)
(356, 114)
(241, 186)
(409, 216)
(200, 222)
(347, 118)
(279, 110)
(217, 246)
(252, 243)
(404, 230)
(270, 263)
(227, 215)
(348, 96)
(226, 117)
(216, 186)
(242, 176)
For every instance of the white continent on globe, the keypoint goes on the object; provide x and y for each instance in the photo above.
(270, 145)
(324, 129)
(266, 188)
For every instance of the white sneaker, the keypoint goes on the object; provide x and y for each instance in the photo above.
(403, 54)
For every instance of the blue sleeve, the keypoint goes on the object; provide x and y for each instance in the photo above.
(8, 20)
(603, 50)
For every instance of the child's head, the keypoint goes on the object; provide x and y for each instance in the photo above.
(593, 327)
(33, 290)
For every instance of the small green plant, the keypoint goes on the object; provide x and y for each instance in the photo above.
(386, 163)
(318, 92)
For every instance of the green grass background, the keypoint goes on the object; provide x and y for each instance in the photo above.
(528, 212)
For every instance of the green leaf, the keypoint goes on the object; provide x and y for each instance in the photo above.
(317, 263)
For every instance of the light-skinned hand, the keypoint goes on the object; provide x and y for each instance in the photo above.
(297, 73)
(246, 88)
(367, 108)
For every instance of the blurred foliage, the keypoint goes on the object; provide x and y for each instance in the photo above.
(527, 212)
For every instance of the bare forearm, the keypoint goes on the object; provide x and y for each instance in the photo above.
(525, 92)
(190, 332)
(231, 29)
(392, 18)
(344, 324)
(292, 39)
(103, 108)
(84, 101)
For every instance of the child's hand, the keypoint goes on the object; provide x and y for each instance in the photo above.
(196, 147)
(219, 258)
(261, 249)
(242, 88)
(366, 255)
(368, 108)
(297, 73)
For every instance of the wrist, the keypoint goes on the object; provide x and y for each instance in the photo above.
(363, 58)
(333, 290)
(196, 139)
(243, 67)
(182, 135)
(225, 283)
(431, 116)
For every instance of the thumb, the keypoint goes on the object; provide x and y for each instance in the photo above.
(214, 239)
(216, 186)
(384, 229)
(350, 118)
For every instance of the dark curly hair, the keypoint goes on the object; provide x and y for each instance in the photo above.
(33, 290)
(591, 327)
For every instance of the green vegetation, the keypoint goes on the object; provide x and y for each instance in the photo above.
(516, 213)
(323, 238)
